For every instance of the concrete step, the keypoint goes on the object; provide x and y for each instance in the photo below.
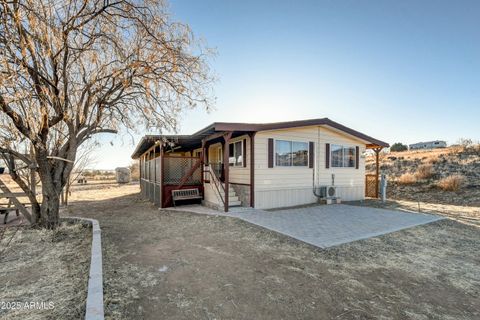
(231, 191)
(232, 198)
(234, 203)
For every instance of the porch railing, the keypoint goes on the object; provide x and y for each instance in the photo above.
(218, 170)
(214, 177)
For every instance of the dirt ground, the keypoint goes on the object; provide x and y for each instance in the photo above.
(44, 273)
(465, 214)
(165, 265)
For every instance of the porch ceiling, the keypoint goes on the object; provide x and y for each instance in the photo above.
(186, 142)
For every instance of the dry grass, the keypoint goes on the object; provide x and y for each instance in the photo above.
(432, 158)
(45, 266)
(407, 179)
(425, 171)
(451, 183)
(425, 155)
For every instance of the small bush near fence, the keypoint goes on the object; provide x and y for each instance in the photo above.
(407, 178)
(451, 183)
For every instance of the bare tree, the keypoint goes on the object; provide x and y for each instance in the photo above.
(85, 158)
(70, 69)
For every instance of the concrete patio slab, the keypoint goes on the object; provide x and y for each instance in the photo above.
(327, 225)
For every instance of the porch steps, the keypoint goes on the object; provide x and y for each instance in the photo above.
(233, 200)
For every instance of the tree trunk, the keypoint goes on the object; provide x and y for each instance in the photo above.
(49, 210)
(53, 175)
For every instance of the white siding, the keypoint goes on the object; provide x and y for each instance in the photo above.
(290, 186)
(241, 174)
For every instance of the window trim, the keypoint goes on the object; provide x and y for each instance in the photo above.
(354, 147)
(291, 165)
(235, 165)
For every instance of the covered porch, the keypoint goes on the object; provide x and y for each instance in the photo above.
(165, 167)
(203, 161)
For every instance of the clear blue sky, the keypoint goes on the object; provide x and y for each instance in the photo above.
(397, 70)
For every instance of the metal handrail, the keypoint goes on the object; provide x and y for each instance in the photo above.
(216, 182)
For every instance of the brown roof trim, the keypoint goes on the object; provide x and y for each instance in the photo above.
(255, 127)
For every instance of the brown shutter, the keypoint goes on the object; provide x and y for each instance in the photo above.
(327, 155)
(270, 153)
(311, 154)
(244, 153)
(357, 157)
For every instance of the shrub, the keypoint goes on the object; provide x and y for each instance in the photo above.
(451, 183)
(398, 147)
(135, 171)
(432, 160)
(465, 143)
(407, 178)
(424, 172)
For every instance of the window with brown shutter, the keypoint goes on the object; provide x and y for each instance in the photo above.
(327, 155)
(311, 154)
(244, 153)
(270, 153)
(357, 157)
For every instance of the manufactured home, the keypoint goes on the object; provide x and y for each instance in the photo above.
(428, 145)
(268, 165)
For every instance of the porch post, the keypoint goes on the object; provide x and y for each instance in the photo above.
(204, 152)
(204, 161)
(377, 170)
(226, 167)
(162, 175)
(252, 169)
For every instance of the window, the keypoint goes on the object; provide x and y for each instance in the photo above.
(342, 156)
(291, 153)
(235, 154)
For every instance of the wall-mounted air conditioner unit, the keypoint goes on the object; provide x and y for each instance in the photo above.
(327, 192)
(331, 192)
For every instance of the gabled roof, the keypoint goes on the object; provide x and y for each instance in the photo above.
(196, 138)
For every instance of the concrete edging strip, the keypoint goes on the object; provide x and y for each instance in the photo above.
(95, 309)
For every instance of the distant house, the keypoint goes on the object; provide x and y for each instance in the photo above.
(428, 145)
(267, 165)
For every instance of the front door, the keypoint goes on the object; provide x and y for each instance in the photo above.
(218, 165)
(219, 155)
